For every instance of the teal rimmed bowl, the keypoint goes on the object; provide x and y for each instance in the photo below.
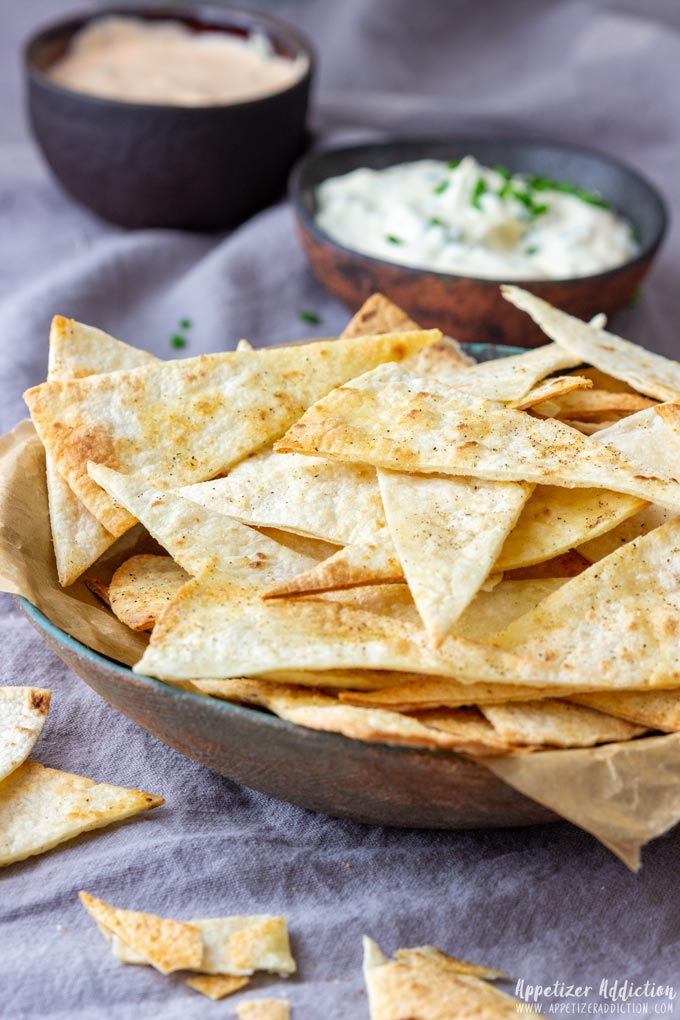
(372, 783)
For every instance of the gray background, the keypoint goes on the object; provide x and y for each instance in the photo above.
(545, 904)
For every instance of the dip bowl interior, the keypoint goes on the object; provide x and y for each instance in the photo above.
(152, 165)
(472, 309)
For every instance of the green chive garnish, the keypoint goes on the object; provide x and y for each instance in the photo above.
(313, 318)
(185, 323)
(441, 187)
(177, 341)
(436, 222)
(393, 239)
(540, 183)
(503, 171)
(453, 163)
(479, 189)
(531, 250)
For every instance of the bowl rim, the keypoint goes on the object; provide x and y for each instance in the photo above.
(297, 189)
(210, 14)
(48, 629)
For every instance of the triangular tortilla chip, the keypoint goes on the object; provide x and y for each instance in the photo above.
(350, 567)
(380, 315)
(142, 587)
(657, 710)
(648, 373)
(166, 945)
(217, 986)
(77, 351)
(594, 405)
(557, 723)
(251, 637)
(339, 503)
(217, 408)
(449, 962)
(197, 537)
(512, 379)
(618, 622)
(640, 524)
(448, 533)
(263, 1009)
(418, 986)
(23, 711)
(40, 808)
(463, 731)
(235, 946)
(392, 419)
(550, 389)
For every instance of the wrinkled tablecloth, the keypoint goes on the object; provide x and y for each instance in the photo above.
(547, 903)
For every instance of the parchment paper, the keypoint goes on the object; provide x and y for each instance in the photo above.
(624, 794)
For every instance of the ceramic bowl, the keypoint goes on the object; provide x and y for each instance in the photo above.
(149, 165)
(371, 783)
(468, 308)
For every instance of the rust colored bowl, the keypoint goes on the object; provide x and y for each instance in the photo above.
(472, 309)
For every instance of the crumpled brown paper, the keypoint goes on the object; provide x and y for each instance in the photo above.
(624, 794)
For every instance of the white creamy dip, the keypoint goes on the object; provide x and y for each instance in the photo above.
(467, 219)
(165, 62)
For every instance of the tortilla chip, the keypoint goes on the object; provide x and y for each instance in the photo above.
(217, 986)
(448, 533)
(98, 588)
(379, 315)
(350, 567)
(555, 520)
(136, 421)
(589, 428)
(657, 710)
(569, 564)
(23, 711)
(310, 708)
(601, 380)
(550, 389)
(263, 1009)
(77, 351)
(412, 956)
(311, 496)
(235, 946)
(244, 345)
(512, 379)
(420, 987)
(594, 405)
(197, 537)
(640, 524)
(617, 622)
(314, 548)
(391, 419)
(251, 637)
(473, 734)
(40, 808)
(557, 724)
(166, 945)
(142, 587)
(648, 373)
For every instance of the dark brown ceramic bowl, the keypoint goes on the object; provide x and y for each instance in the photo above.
(472, 309)
(148, 165)
(346, 778)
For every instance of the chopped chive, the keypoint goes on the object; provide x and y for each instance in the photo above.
(177, 341)
(503, 171)
(531, 250)
(540, 183)
(453, 163)
(393, 239)
(441, 187)
(436, 222)
(479, 189)
(539, 210)
(185, 323)
(635, 235)
(313, 318)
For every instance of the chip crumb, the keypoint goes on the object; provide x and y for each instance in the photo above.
(217, 986)
(263, 1009)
